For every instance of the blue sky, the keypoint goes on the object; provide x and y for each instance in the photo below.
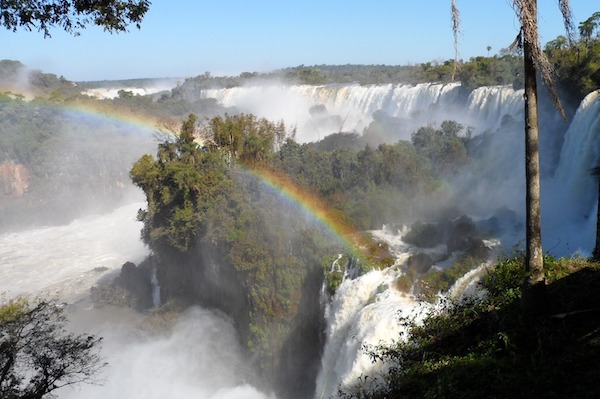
(183, 38)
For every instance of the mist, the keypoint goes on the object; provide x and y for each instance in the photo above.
(110, 89)
(74, 163)
(198, 356)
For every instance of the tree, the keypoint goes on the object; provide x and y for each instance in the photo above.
(534, 288)
(37, 355)
(587, 27)
(72, 15)
(534, 61)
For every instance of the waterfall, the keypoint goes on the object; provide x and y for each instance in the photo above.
(569, 198)
(335, 265)
(155, 289)
(350, 107)
(488, 106)
(364, 311)
(66, 260)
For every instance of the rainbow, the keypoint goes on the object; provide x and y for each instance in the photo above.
(334, 222)
(94, 111)
(142, 122)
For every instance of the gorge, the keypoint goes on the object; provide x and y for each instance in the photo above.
(66, 260)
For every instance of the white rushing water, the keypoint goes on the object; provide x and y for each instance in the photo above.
(364, 312)
(197, 357)
(156, 86)
(569, 199)
(354, 105)
(65, 261)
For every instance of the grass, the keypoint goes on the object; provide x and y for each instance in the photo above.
(488, 349)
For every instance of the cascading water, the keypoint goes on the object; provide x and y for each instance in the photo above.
(354, 105)
(569, 198)
(155, 289)
(335, 265)
(198, 356)
(488, 106)
(366, 311)
(363, 311)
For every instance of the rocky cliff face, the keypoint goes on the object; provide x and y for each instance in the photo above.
(14, 179)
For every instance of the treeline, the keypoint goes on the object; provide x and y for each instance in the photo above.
(377, 185)
(577, 64)
(576, 70)
(477, 72)
(576, 67)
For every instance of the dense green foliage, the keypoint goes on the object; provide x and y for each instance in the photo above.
(373, 186)
(205, 199)
(486, 348)
(577, 65)
(479, 71)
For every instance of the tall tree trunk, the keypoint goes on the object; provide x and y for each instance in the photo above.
(534, 288)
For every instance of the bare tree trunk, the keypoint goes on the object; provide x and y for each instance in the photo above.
(534, 288)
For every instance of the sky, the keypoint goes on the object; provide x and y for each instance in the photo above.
(186, 38)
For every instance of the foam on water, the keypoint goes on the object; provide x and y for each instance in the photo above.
(65, 261)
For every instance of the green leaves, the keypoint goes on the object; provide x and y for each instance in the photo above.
(246, 138)
(72, 15)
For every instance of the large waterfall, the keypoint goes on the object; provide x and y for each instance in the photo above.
(353, 105)
(66, 260)
(570, 197)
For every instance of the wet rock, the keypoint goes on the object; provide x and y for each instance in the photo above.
(424, 235)
(419, 263)
(131, 288)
